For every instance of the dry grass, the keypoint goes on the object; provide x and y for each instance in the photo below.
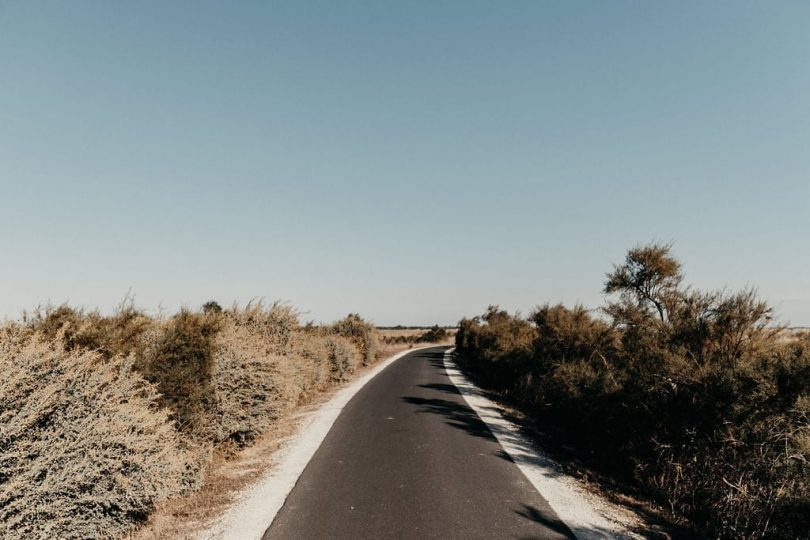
(229, 473)
(394, 333)
(389, 334)
(393, 340)
(794, 334)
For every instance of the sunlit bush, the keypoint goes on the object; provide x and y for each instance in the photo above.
(103, 416)
(362, 333)
(84, 449)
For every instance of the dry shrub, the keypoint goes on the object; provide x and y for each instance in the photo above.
(497, 346)
(117, 334)
(104, 416)
(312, 355)
(690, 394)
(434, 334)
(84, 450)
(179, 361)
(265, 363)
(362, 333)
(343, 358)
(276, 324)
(253, 385)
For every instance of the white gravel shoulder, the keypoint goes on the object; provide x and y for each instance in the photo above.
(258, 505)
(586, 514)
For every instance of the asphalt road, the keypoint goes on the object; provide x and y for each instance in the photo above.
(407, 458)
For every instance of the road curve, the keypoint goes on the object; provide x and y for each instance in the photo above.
(407, 458)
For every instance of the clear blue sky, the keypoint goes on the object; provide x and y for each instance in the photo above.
(411, 161)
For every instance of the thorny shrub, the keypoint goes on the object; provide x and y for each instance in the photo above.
(84, 449)
(362, 333)
(101, 417)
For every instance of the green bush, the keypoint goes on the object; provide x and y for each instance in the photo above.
(690, 394)
(497, 346)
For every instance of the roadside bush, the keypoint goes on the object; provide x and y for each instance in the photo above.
(362, 333)
(497, 346)
(179, 361)
(103, 416)
(343, 358)
(84, 450)
(175, 354)
(399, 340)
(311, 354)
(276, 325)
(117, 334)
(264, 364)
(433, 335)
(250, 385)
(690, 394)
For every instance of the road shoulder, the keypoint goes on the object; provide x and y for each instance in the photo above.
(586, 514)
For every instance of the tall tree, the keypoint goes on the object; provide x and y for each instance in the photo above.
(649, 279)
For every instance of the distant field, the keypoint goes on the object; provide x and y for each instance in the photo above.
(797, 332)
(395, 339)
(392, 333)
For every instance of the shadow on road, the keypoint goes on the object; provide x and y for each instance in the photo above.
(533, 514)
(436, 358)
(447, 400)
(457, 415)
(449, 388)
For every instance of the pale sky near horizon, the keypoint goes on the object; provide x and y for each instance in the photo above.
(410, 161)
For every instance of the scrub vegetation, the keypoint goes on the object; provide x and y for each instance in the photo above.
(102, 417)
(693, 396)
(414, 336)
